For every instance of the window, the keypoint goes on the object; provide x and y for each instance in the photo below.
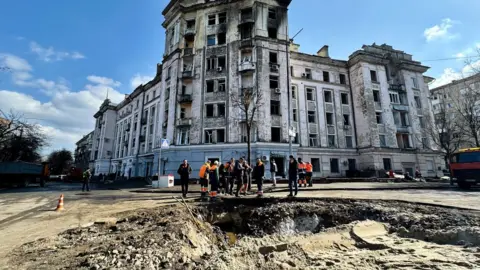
(331, 141)
(346, 120)
(222, 17)
(310, 94)
(276, 134)
(210, 86)
(208, 136)
(274, 107)
(378, 116)
(220, 135)
(294, 92)
(315, 164)
(430, 166)
(376, 96)
(311, 117)
(272, 14)
(150, 129)
(294, 115)
(373, 76)
(328, 96)
(349, 141)
(221, 62)
(211, 40)
(211, 63)
(273, 82)
(326, 76)
(343, 79)
(313, 140)
(221, 110)
(182, 137)
(425, 143)
(221, 85)
(394, 98)
(209, 110)
(418, 102)
(295, 139)
(273, 58)
(272, 32)
(383, 142)
(134, 126)
(387, 164)
(334, 168)
(308, 73)
(344, 97)
(415, 82)
(329, 117)
(183, 113)
(169, 72)
(212, 19)
(422, 122)
(222, 38)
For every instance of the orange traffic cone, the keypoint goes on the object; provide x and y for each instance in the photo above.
(60, 204)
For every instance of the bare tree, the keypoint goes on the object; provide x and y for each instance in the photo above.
(248, 101)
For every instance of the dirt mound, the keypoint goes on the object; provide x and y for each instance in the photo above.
(320, 234)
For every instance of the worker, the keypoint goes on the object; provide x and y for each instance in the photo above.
(86, 180)
(292, 176)
(309, 174)
(184, 171)
(258, 174)
(301, 173)
(230, 176)
(273, 172)
(222, 181)
(214, 179)
(204, 175)
(238, 172)
(247, 175)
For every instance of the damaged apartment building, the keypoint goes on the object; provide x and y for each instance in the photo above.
(364, 113)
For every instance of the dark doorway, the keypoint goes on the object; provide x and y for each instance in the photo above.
(352, 164)
(280, 161)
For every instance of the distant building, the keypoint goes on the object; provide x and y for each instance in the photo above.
(83, 151)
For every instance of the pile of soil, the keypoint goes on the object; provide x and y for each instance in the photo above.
(319, 234)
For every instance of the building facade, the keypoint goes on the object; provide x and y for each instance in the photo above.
(83, 152)
(357, 114)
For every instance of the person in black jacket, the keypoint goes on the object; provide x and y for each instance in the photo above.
(258, 174)
(184, 171)
(238, 171)
(292, 176)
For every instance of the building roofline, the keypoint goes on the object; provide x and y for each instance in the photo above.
(454, 82)
(316, 58)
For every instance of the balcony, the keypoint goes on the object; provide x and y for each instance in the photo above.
(400, 107)
(397, 87)
(188, 74)
(246, 44)
(246, 19)
(403, 129)
(184, 98)
(142, 138)
(246, 66)
(184, 122)
(188, 52)
(190, 31)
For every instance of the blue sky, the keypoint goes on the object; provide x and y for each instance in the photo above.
(64, 55)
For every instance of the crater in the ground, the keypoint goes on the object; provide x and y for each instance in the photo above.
(269, 234)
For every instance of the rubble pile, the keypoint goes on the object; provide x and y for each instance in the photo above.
(320, 234)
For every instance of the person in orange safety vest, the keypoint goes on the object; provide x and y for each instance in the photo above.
(301, 173)
(309, 174)
(204, 175)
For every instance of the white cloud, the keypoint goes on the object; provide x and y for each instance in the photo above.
(448, 75)
(440, 31)
(138, 79)
(50, 55)
(469, 52)
(14, 63)
(103, 80)
(67, 115)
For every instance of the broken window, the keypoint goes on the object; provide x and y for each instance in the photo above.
(212, 19)
(182, 137)
(329, 117)
(422, 122)
(272, 32)
(418, 102)
(272, 14)
(394, 98)
(310, 94)
(190, 24)
(415, 82)
(208, 136)
(373, 76)
(349, 141)
(378, 116)
(383, 141)
(221, 85)
(331, 141)
(211, 63)
(222, 17)
(220, 136)
(274, 107)
(343, 79)
(183, 113)
(311, 117)
(211, 41)
(221, 62)
(308, 73)
(387, 164)
(221, 109)
(346, 120)
(273, 57)
(334, 168)
(210, 86)
(222, 38)
(313, 140)
(276, 134)
(209, 108)
(315, 164)
(273, 82)
(294, 115)
(326, 76)
(344, 97)
(376, 96)
(328, 96)
(294, 92)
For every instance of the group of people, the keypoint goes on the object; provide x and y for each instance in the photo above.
(222, 178)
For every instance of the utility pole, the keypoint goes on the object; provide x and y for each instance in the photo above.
(289, 92)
